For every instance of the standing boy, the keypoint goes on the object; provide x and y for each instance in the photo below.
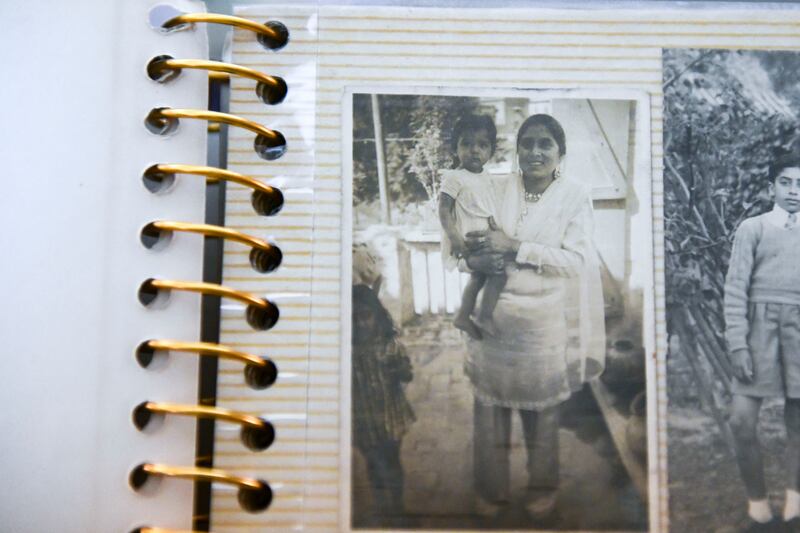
(762, 315)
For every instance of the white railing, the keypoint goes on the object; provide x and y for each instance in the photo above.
(426, 286)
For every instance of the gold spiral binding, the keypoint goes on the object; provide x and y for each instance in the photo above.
(202, 411)
(205, 348)
(270, 89)
(205, 474)
(266, 200)
(254, 494)
(210, 288)
(261, 313)
(257, 434)
(264, 257)
(148, 529)
(269, 144)
(211, 231)
(219, 76)
(272, 35)
(259, 372)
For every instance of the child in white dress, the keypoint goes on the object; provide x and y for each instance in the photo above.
(467, 203)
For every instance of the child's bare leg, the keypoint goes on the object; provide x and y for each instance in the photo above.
(791, 415)
(744, 423)
(463, 320)
(491, 294)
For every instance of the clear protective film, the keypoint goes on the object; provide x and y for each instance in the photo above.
(296, 404)
(405, 400)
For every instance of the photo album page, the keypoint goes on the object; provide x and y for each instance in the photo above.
(553, 258)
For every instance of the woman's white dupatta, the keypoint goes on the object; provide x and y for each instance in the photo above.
(563, 219)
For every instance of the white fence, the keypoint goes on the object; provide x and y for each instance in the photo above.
(426, 286)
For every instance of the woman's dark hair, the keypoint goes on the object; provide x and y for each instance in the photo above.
(550, 124)
(364, 297)
(781, 163)
(474, 122)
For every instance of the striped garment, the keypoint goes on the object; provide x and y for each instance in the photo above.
(381, 411)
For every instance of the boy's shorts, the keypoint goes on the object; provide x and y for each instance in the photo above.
(774, 341)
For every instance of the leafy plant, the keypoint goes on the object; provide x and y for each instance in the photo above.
(416, 131)
(724, 122)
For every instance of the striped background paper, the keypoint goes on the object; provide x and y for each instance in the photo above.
(333, 48)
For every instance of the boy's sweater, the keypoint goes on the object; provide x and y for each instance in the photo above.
(764, 268)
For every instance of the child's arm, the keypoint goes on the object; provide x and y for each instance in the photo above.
(737, 286)
(447, 218)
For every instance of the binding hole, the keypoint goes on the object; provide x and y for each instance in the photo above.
(262, 318)
(160, 74)
(158, 124)
(270, 148)
(156, 181)
(154, 238)
(151, 358)
(161, 14)
(138, 477)
(255, 500)
(150, 296)
(272, 94)
(145, 354)
(274, 44)
(261, 377)
(265, 260)
(267, 204)
(141, 416)
(258, 439)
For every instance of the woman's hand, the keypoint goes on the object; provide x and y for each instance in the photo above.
(486, 262)
(493, 240)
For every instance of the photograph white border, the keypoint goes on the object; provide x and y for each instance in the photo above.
(642, 184)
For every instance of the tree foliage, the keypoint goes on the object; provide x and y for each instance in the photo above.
(727, 115)
(417, 145)
(718, 145)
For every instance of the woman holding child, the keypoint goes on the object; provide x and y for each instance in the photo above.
(548, 333)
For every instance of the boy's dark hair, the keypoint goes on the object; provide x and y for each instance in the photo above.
(550, 124)
(790, 160)
(472, 122)
(364, 296)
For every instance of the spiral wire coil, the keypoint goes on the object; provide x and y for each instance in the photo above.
(257, 433)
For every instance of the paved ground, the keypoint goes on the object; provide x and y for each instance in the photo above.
(437, 455)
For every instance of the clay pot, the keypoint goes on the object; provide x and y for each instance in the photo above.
(624, 366)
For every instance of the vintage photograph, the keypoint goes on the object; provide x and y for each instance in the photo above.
(500, 310)
(732, 194)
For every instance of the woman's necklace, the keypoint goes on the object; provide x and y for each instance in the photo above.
(532, 196)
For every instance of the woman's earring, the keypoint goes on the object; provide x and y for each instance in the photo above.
(556, 173)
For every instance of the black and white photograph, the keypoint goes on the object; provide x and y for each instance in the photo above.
(500, 310)
(731, 198)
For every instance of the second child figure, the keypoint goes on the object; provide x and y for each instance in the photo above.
(467, 203)
(381, 414)
(762, 315)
